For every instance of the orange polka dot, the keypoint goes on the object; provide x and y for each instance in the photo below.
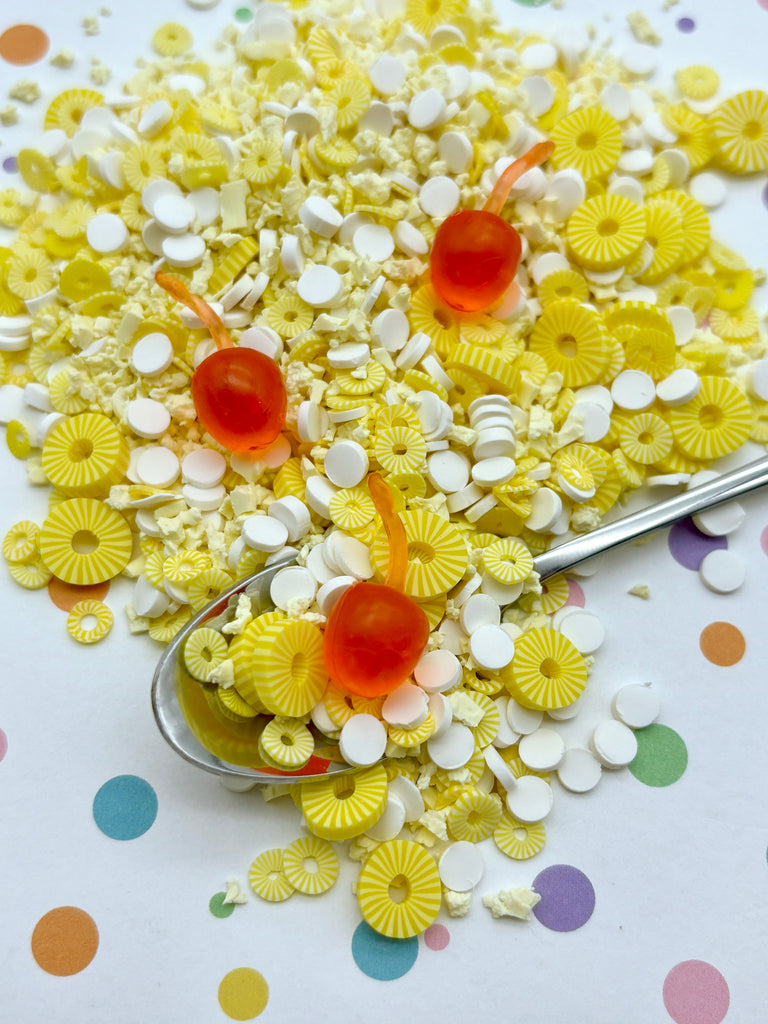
(722, 643)
(67, 595)
(65, 941)
(23, 44)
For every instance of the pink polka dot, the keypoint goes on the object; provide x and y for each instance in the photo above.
(695, 992)
(764, 534)
(437, 936)
(763, 4)
(575, 594)
(3, 744)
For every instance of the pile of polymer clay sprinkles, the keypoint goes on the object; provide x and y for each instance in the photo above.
(297, 191)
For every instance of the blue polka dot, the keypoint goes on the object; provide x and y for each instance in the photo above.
(382, 958)
(125, 807)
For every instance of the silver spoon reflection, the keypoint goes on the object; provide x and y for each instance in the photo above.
(229, 749)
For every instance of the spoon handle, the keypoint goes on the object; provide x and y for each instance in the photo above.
(724, 488)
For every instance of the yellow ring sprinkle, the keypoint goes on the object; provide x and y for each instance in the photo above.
(84, 611)
(310, 865)
(403, 865)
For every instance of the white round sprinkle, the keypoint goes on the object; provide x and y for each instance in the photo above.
(499, 768)
(639, 59)
(151, 355)
(387, 75)
(291, 256)
(453, 748)
(391, 821)
(439, 196)
(758, 380)
(633, 390)
(461, 866)
(409, 796)
(627, 188)
(318, 492)
(722, 571)
(541, 750)
(330, 592)
(147, 600)
(183, 250)
(311, 422)
(391, 329)
(506, 735)
(293, 514)
(147, 418)
(683, 323)
(491, 648)
(479, 610)
(203, 467)
(538, 57)
(155, 190)
(448, 471)
(531, 800)
(157, 466)
(614, 744)
(378, 118)
(292, 584)
(320, 286)
(174, 213)
(678, 164)
(615, 99)
(426, 110)
(409, 239)
(264, 533)
(106, 233)
(548, 263)
(208, 499)
(349, 355)
(346, 463)
(494, 471)
(413, 350)
(373, 242)
(546, 507)
(492, 442)
(540, 94)
(656, 131)
(679, 387)
(722, 520)
(303, 120)
(635, 161)
(636, 705)
(456, 150)
(523, 720)
(579, 771)
(584, 630)
(565, 191)
(405, 707)
(709, 189)
(437, 671)
(354, 559)
(154, 118)
(320, 216)
(362, 740)
(502, 593)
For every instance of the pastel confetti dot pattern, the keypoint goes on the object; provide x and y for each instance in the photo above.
(243, 993)
(695, 992)
(662, 756)
(380, 957)
(64, 941)
(567, 898)
(125, 807)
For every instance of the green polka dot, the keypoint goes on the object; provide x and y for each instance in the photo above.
(661, 758)
(218, 907)
(243, 14)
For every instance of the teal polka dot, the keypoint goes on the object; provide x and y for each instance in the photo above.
(125, 807)
(218, 907)
(380, 957)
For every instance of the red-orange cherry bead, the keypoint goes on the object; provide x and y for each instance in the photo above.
(240, 398)
(474, 259)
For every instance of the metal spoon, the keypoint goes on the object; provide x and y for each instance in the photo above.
(173, 690)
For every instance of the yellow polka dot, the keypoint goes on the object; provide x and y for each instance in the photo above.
(243, 993)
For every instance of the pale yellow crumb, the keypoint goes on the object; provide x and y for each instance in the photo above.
(642, 29)
(640, 590)
(90, 26)
(25, 91)
(457, 903)
(100, 74)
(9, 114)
(515, 902)
(64, 58)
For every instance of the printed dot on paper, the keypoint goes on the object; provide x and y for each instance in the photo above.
(763, 4)
(10, 164)
(65, 941)
(243, 14)
(125, 807)
(23, 44)
(686, 24)
(531, 3)
(722, 643)
(690, 546)
(3, 744)
(380, 957)
(218, 907)
(243, 993)
(67, 595)
(695, 992)
(661, 757)
(567, 898)
(575, 594)
(764, 534)
(437, 937)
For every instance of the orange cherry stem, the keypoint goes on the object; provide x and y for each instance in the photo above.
(535, 156)
(210, 318)
(384, 500)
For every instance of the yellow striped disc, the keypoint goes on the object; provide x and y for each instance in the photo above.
(30, 575)
(546, 671)
(588, 140)
(573, 341)
(374, 380)
(352, 508)
(286, 743)
(646, 438)
(437, 554)
(206, 586)
(474, 816)
(483, 365)
(339, 705)
(267, 879)
(487, 729)
(665, 234)
(231, 704)
(508, 560)
(739, 129)
(84, 541)
(310, 865)
(717, 421)
(20, 542)
(343, 806)
(289, 667)
(89, 621)
(399, 869)
(409, 738)
(204, 650)
(85, 455)
(695, 222)
(241, 655)
(518, 840)
(606, 231)
(400, 450)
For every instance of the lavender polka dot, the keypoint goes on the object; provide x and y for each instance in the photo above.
(10, 164)
(690, 546)
(686, 24)
(567, 898)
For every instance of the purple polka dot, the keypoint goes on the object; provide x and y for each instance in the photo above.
(690, 546)
(3, 744)
(10, 164)
(575, 594)
(686, 24)
(437, 937)
(567, 898)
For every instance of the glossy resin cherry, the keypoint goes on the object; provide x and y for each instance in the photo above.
(238, 393)
(476, 253)
(375, 633)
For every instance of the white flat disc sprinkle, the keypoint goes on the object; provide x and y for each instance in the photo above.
(405, 707)
(373, 242)
(708, 189)
(319, 286)
(174, 213)
(579, 771)
(542, 750)
(203, 467)
(157, 466)
(461, 866)
(437, 671)
(439, 196)
(391, 821)
(636, 705)
(722, 571)
(264, 533)
(491, 648)
(409, 796)
(152, 354)
(531, 800)
(523, 720)
(106, 233)
(183, 250)
(453, 748)
(293, 584)
(362, 740)
(346, 463)
(614, 744)
(633, 390)
(584, 630)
